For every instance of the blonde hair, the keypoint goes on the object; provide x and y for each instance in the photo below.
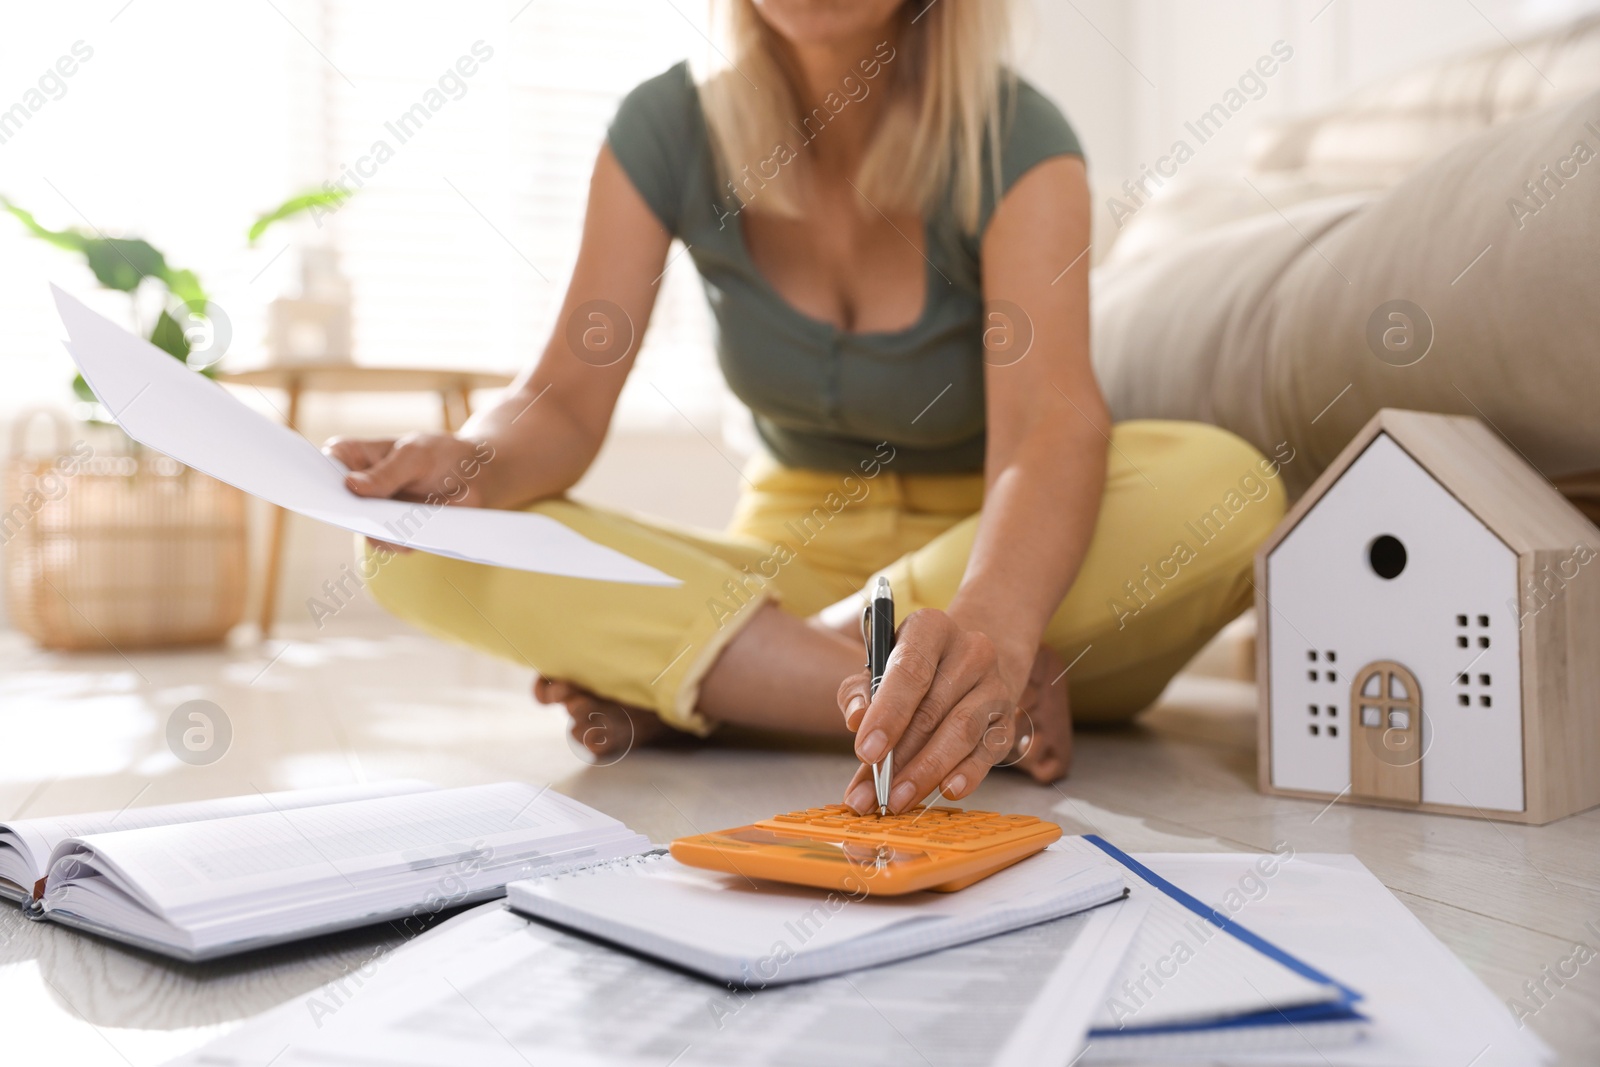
(938, 130)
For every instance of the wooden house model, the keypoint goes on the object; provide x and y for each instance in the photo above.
(1429, 618)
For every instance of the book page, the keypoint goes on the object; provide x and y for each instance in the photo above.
(324, 854)
(38, 837)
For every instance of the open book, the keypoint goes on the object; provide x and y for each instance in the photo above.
(26, 844)
(294, 865)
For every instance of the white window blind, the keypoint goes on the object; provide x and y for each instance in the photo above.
(461, 242)
(174, 128)
(190, 117)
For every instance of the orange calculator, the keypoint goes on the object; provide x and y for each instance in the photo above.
(942, 849)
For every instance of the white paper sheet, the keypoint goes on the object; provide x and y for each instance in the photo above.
(163, 404)
(491, 988)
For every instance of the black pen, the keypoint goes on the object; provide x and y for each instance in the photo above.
(879, 627)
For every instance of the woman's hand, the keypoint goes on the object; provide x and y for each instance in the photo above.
(944, 708)
(435, 468)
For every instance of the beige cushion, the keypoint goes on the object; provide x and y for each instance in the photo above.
(1260, 325)
(1385, 130)
(1210, 201)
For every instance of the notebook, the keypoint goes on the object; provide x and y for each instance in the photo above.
(213, 886)
(1198, 983)
(758, 934)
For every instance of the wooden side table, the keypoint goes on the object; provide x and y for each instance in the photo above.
(454, 387)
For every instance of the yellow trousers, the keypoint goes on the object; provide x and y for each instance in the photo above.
(1185, 506)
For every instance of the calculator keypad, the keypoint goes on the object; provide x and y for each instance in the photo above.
(936, 848)
(950, 828)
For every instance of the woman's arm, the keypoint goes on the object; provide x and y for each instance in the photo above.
(545, 431)
(1049, 428)
(955, 677)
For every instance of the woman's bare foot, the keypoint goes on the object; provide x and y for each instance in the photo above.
(603, 731)
(1043, 746)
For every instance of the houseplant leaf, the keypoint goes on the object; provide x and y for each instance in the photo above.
(71, 240)
(185, 285)
(122, 263)
(119, 263)
(168, 336)
(325, 197)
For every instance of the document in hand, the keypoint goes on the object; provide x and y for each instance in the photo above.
(195, 890)
(161, 403)
(755, 933)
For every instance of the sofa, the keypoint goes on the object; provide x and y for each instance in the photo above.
(1432, 243)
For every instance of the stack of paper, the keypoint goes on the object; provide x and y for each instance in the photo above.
(492, 987)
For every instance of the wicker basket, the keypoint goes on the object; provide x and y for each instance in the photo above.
(124, 550)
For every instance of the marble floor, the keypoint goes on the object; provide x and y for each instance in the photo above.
(87, 732)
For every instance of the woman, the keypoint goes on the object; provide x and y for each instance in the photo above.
(892, 233)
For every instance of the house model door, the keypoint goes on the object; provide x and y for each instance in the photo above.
(1386, 735)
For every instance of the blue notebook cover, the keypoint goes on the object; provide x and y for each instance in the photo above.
(1339, 1009)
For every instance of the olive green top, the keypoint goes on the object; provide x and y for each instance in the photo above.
(822, 396)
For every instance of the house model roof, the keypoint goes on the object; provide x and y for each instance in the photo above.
(1475, 465)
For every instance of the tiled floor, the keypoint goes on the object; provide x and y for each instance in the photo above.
(89, 732)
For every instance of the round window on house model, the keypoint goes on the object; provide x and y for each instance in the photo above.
(1386, 556)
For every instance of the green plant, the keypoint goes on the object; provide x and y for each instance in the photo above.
(327, 197)
(123, 264)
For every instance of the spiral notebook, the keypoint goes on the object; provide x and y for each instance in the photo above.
(753, 933)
